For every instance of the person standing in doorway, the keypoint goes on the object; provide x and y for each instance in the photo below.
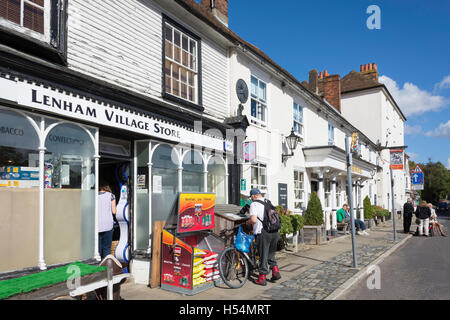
(106, 210)
(423, 213)
(408, 210)
(266, 242)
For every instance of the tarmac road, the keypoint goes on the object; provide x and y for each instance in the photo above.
(417, 271)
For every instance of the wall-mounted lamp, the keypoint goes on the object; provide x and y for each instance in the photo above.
(292, 142)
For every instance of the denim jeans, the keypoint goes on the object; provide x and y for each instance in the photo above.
(104, 243)
(358, 224)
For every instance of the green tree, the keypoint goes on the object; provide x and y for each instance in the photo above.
(314, 214)
(437, 182)
(369, 212)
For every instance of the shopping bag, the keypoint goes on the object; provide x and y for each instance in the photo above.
(243, 240)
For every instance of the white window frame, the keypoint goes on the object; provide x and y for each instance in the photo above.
(260, 103)
(20, 28)
(327, 192)
(331, 139)
(301, 123)
(259, 165)
(172, 60)
(300, 201)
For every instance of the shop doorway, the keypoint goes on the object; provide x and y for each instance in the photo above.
(116, 173)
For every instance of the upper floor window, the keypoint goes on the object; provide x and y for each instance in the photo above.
(29, 15)
(330, 135)
(298, 120)
(181, 63)
(258, 101)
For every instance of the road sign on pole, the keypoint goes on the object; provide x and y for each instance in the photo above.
(417, 178)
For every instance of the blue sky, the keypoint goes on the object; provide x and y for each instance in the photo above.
(412, 51)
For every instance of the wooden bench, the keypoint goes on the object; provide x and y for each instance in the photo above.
(342, 226)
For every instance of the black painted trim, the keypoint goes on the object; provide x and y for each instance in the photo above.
(199, 106)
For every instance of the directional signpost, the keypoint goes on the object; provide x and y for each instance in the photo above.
(417, 178)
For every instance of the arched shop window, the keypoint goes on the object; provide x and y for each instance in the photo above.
(69, 198)
(217, 179)
(193, 172)
(164, 181)
(19, 191)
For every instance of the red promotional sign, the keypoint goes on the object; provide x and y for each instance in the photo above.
(196, 212)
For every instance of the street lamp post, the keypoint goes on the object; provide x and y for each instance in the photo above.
(350, 196)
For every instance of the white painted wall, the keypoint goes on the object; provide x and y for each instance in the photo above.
(120, 42)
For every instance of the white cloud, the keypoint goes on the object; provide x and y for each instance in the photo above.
(413, 156)
(445, 83)
(413, 130)
(412, 100)
(442, 132)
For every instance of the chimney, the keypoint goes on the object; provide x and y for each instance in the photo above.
(219, 8)
(370, 71)
(330, 89)
(314, 81)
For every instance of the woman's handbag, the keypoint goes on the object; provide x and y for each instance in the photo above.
(417, 221)
(243, 241)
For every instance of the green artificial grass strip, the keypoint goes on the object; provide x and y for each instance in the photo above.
(42, 279)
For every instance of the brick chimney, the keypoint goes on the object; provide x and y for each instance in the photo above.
(330, 89)
(314, 81)
(219, 8)
(370, 71)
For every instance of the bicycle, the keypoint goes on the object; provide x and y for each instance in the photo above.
(236, 266)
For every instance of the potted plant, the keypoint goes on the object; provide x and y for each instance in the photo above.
(314, 230)
(286, 227)
(369, 212)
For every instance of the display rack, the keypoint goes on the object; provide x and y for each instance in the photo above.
(189, 247)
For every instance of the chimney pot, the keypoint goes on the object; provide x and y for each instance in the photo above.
(361, 68)
(326, 74)
(375, 67)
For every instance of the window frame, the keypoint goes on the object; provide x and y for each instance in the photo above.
(259, 165)
(30, 32)
(300, 124)
(198, 105)
(332, 139)
(53, 48)
(259, 102)
(302, 190)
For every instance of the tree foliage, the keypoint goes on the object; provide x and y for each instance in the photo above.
(369, 212)
(437, 181)
(314, 214)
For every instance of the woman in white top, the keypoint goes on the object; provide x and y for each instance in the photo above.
(106, 210)
(434, 223)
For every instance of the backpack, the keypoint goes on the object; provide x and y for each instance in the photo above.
(272, 221)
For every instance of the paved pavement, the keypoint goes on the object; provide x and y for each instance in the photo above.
(312, 273)
(417, 271)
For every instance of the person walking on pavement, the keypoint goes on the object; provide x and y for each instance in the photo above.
(343, 216)
(423, 213)
(106, 210)
(266, 242)
(434, 223)
(408, 210)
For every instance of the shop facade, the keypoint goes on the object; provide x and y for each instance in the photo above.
(57, 146)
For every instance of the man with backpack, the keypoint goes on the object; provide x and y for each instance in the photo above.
(266, 224)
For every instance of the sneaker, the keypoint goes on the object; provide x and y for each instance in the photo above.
(275, 274)
(359, 233)
(366, 233)
(261, 280)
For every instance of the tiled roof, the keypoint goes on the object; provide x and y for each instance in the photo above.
(358, 81)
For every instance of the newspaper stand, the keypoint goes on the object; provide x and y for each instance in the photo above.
(189, 226)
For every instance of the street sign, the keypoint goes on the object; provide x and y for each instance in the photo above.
(417, 178)
(243, 184)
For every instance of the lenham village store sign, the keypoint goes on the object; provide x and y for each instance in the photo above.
(63, 104)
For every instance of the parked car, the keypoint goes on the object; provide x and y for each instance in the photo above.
(443, 208)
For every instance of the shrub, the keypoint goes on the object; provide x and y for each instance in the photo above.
(314, 214)
(286, 225)
(369, 212)
(297, 222)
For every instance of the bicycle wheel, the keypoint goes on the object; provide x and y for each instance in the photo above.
(233, 268)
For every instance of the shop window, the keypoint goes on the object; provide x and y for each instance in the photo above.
(69, 219)
(299, 190)
(164, 182)
(19, 192)
(181, 63)
(193, 172)
(217, 179)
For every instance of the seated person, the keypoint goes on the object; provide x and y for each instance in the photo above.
(433, 221)
(343, 216)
